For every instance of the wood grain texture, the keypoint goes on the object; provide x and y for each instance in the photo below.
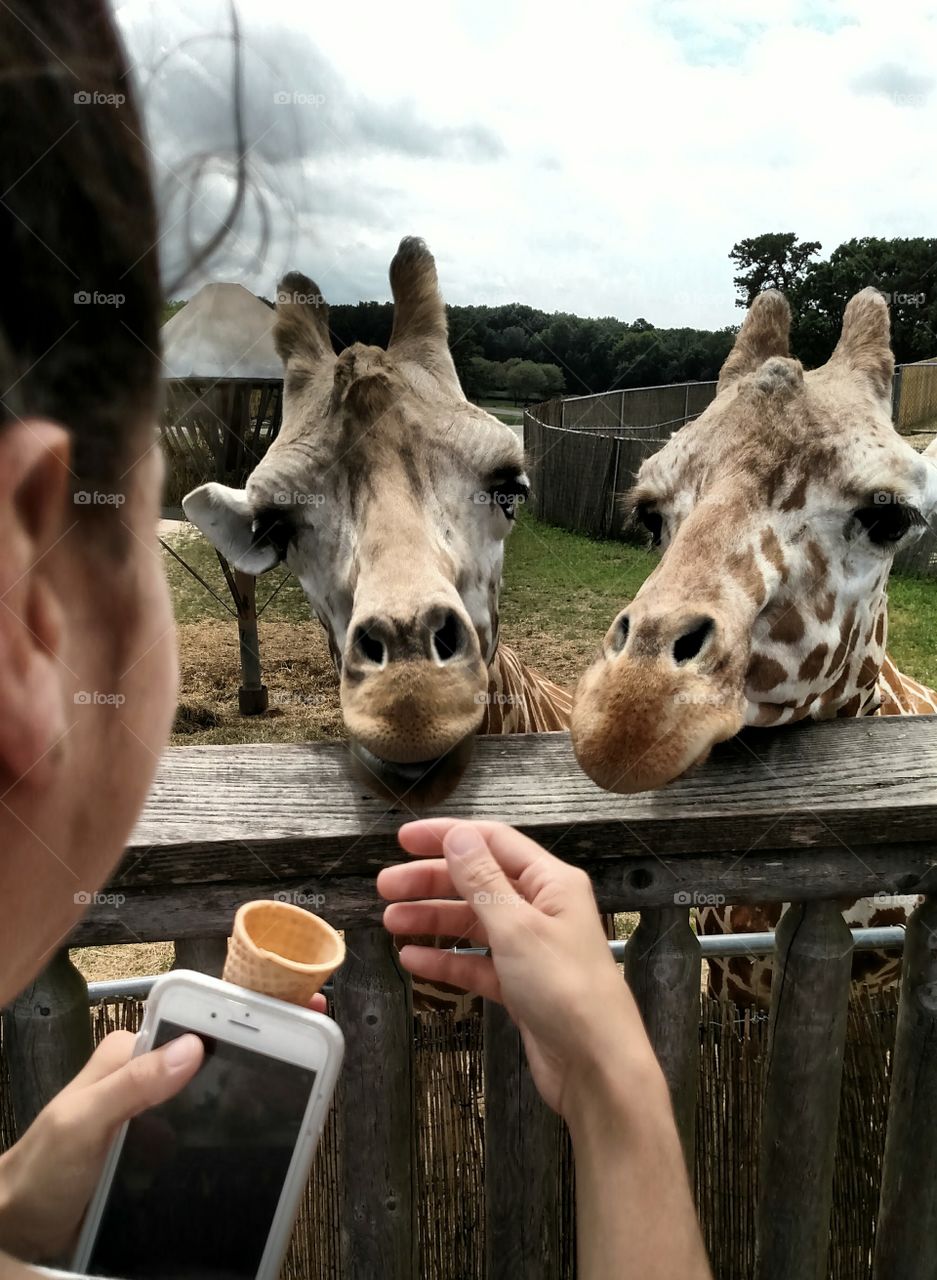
(906, 1240)
(807, 1038)
(806, 812)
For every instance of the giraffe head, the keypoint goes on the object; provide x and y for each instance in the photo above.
(389, 496)
(778, 513)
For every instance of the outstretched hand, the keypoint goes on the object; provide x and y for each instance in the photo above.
(485, 884)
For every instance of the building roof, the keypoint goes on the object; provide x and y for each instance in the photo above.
(223, 331)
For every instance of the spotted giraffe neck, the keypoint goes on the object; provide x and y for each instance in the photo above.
(747, 981)
(520, 700)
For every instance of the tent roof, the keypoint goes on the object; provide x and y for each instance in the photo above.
(223, 331)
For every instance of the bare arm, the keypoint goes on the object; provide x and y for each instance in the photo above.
(588, 1052)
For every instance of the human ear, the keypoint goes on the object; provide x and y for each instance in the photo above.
(34, 517)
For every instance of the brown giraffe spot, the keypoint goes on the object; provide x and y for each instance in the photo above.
(788, 628)
(851, 708)
(868, 673)
(771, 550)
(812, 665)
(819, 564)
(842, 649)
(797, 497)
(825, 606)
(764, 673)
(837, 690)
(742, 567)
(769, 713)
(880, 629)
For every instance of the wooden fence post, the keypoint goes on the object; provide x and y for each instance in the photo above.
(205, 955)
(663, 965)
(46, 1037)
(806, 1044)
(522, 1228)
(252, 695)
(906, 1239)
(374, 1007)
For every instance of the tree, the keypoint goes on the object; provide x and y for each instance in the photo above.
(775, 260)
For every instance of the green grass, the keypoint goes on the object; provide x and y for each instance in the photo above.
(912, 627)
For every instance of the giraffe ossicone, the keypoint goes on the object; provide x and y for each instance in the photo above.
(389, 496)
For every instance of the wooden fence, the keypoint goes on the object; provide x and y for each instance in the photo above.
(811, 815)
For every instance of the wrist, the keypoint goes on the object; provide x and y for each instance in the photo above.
(618, 1097)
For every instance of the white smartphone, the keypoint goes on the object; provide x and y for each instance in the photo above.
(208, 1183)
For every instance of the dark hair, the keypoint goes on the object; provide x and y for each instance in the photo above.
(80, 300)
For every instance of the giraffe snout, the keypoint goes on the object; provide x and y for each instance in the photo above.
(680, 636)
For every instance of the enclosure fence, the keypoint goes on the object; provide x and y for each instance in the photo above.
(583, 453)
(440, 1160)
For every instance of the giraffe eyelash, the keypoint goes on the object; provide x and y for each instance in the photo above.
(887, 522)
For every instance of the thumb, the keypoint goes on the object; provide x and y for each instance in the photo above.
(479, 879)
(140, 1083)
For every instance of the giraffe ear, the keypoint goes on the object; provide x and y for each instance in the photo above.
(251, 541)
(301, 329)
(864, 346)
(765, 332)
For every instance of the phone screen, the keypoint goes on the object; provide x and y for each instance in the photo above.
(199, 1177)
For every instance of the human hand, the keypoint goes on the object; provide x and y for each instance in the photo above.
(47, 1178)
(550, 965)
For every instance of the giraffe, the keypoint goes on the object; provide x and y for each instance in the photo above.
(778, 513)
(390, 497)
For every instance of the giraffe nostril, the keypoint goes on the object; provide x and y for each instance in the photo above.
(690, 644)
(620, 634)
(449, 639)
(369, 646)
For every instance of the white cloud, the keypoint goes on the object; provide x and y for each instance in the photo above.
(637, 142)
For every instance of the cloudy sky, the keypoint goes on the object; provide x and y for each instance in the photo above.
(588, 157)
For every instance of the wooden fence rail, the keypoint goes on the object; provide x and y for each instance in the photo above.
(810, 815)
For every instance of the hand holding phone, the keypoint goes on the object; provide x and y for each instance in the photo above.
(208, 1182)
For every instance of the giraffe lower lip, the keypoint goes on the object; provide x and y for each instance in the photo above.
(421, 781)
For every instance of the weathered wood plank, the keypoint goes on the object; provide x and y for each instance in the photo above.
(906, 1240)
(522, 1150)
(662, 965)
(809, 1000)
(190, 909)
(800, 787)
(373, 1004)
(46, 1037)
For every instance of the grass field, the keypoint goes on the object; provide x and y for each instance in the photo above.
(561, 592)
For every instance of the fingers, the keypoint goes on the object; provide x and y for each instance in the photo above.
(416, 880)
(481, 882)
(471, 973)
(441, 919)
(113, 1051)
(142, 1082)
(514, 852)
(319, 1004)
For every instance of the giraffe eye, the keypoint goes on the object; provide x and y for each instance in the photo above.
(509, 496)
(652, 520)
(273, 526)
(888, 519)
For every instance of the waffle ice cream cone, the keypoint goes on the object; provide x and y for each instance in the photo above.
(281, 950)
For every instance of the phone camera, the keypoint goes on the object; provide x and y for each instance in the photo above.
(214, 1015)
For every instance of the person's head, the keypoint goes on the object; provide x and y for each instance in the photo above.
(87, 678)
